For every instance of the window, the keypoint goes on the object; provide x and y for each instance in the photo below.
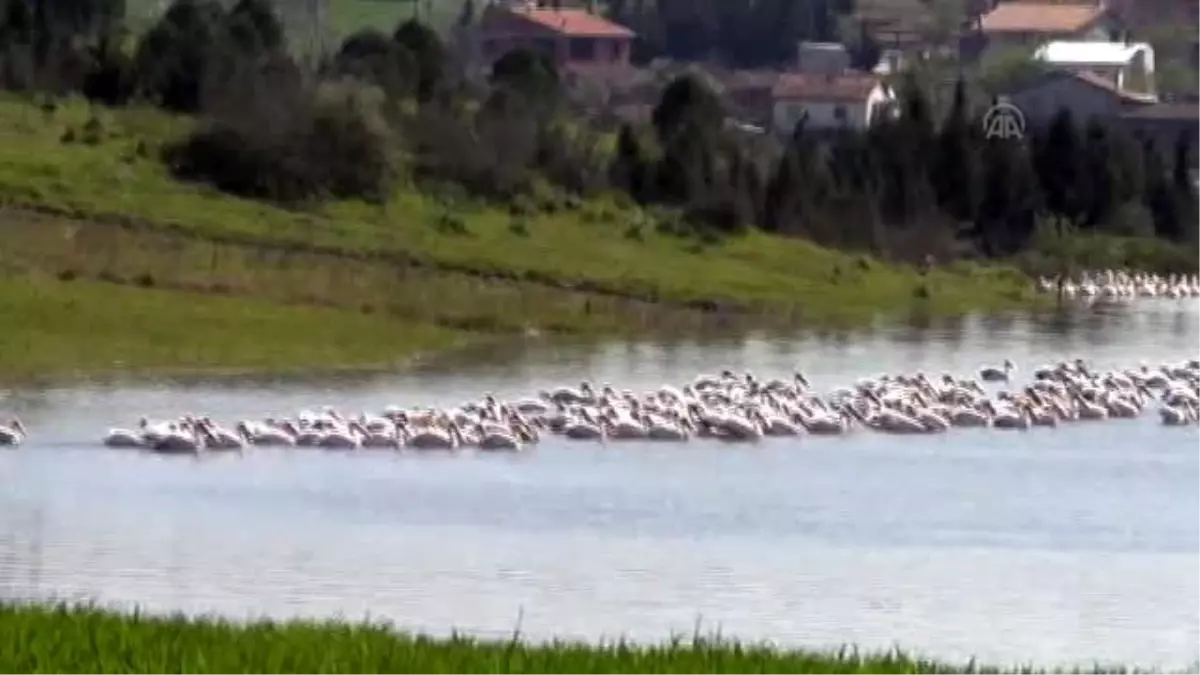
(839, 113)
(582, 49)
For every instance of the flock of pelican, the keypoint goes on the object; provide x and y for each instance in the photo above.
(729, 406)
(1119, 285)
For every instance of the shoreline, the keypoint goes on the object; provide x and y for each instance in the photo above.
(74, 637)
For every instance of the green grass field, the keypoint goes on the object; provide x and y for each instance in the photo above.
(343, 16)
(85, 640)
(55, 328)
(600, 247)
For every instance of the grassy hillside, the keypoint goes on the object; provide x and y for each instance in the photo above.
(106, 170)
(71, 640)
(54, 328)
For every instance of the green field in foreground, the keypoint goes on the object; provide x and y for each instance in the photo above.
(48, 160)
(78, 640)
(53, 328)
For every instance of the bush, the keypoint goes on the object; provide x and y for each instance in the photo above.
(288, 140)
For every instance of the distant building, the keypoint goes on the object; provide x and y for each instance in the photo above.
(849, 100)
(1028, 24)
(570, 36)
(1085, 94)
(1128, 66)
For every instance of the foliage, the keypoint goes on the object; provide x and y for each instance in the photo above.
(288, 139)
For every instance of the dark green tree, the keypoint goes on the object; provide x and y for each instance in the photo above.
(1183, 180)
(182, 53)
(254, 28)
(428, 53)
(955, 166)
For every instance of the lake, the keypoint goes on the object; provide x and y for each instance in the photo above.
(1052, 546)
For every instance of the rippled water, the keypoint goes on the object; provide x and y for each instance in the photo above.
(1051, 546)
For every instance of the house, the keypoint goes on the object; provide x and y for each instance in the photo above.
(1162, 124)
(570, 36)
(829, 102)
(1028, 24)
(1084, 93)
(1128, 66)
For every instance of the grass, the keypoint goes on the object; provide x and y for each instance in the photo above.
(348, 16)
(111, 173)
(70, 639)
(67, 248)
(55, 328)
(343, 17)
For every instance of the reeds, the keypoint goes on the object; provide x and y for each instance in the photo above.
(69, 639)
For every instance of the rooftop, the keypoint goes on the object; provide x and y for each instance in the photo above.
(846, 88)
(1039, 17)
(1088, 78)
(573, 22)
(1090, 53)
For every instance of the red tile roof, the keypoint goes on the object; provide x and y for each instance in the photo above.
(847, 88)
(1039, 17)
(574, 22)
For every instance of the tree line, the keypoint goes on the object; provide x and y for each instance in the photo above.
(388, 107)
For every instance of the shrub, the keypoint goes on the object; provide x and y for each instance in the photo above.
(290, 139)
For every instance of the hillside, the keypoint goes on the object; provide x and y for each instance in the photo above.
(105, 169)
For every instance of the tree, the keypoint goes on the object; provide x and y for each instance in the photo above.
(1059, 169)
(530, 76)
(687, 105)
(254, 28)
(1159, 196)
(427, 52)
(955, 166)
(628, 169)
(1183, 182)
(1010, 201)
(177, 57)
(371, 56)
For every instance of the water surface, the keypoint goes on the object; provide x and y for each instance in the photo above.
(1052, 546)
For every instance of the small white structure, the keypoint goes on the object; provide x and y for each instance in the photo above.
(1128, 66)
(828, 101)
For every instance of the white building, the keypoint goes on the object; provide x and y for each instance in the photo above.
(1129, 67)
(829, 101)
